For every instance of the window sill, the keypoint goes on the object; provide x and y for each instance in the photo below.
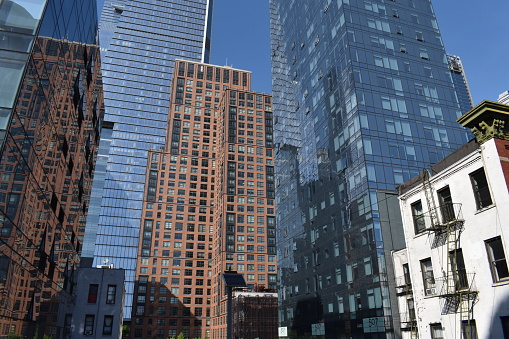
(501, 283)
(485, 209)
(420, 234)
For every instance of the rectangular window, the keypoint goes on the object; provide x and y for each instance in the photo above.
(436, 331)
(406, 273)
(496, 256)
(418, 217)
(92, 293)
(458, 269)
(481, 189)
(469, 329)
(108, 325)
(89, 325)
(446, 205)
(111, 293)
(428, 277)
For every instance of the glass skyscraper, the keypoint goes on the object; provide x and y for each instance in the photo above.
(139, 42)
(363, 101)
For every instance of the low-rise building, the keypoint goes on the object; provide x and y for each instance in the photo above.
(453, 277)
(255, 315)
(98, 311)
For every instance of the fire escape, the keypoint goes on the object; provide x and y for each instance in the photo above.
(444, 224)
(408, 318)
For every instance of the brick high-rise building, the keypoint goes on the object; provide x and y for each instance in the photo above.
(50, 123)
(140, 41)
(209, 204)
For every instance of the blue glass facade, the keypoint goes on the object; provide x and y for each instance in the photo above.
(363, 100)
(140, 41)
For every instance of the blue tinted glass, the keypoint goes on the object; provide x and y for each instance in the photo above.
(140, 40)
(364, 99)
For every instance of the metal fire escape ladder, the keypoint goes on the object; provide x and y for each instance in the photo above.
(428, 192)
(457, 293)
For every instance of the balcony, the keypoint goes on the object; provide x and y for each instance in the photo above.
(457, 292)
(439, 219)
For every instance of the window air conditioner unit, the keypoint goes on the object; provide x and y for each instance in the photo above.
(430, 291)
(87, 332)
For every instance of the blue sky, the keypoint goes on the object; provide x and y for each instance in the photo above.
(476, 31)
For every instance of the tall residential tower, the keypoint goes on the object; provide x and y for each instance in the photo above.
(209, 204)
(140, 41)
(363, 101)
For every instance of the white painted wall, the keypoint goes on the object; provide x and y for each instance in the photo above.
(479, 226)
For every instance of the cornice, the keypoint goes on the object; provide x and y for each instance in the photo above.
(487, 121)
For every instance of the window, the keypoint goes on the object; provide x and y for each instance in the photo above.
(481, 189)
(411, 308)
(458, 269)
(428, 277)
(436, 331)
(406, 274)
(469, 329)
(418, 217)
(496, 256)
(110, 295)
(446, 205)
(92, 293)
(89, 325)
(108, 325)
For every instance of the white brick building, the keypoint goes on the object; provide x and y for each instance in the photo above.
(452, 277)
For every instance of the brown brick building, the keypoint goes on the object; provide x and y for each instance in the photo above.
(47, 162)
(209, 204)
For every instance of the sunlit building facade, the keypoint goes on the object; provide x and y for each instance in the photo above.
(51, 112)
(209, 204)
(363, 100)
(459, 79)
(139, 42)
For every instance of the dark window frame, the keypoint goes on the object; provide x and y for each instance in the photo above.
(469, 329)
(481, 189)
(88, 327)
(93, 291)
(436, 326)
(428, 279)
(108, 325)
(418, 217)
(446, 204)
(111, 294)
(498, 265)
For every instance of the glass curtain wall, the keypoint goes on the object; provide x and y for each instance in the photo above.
(363, 101)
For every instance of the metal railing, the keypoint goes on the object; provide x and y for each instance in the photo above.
(449, 214)
(455, 282)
